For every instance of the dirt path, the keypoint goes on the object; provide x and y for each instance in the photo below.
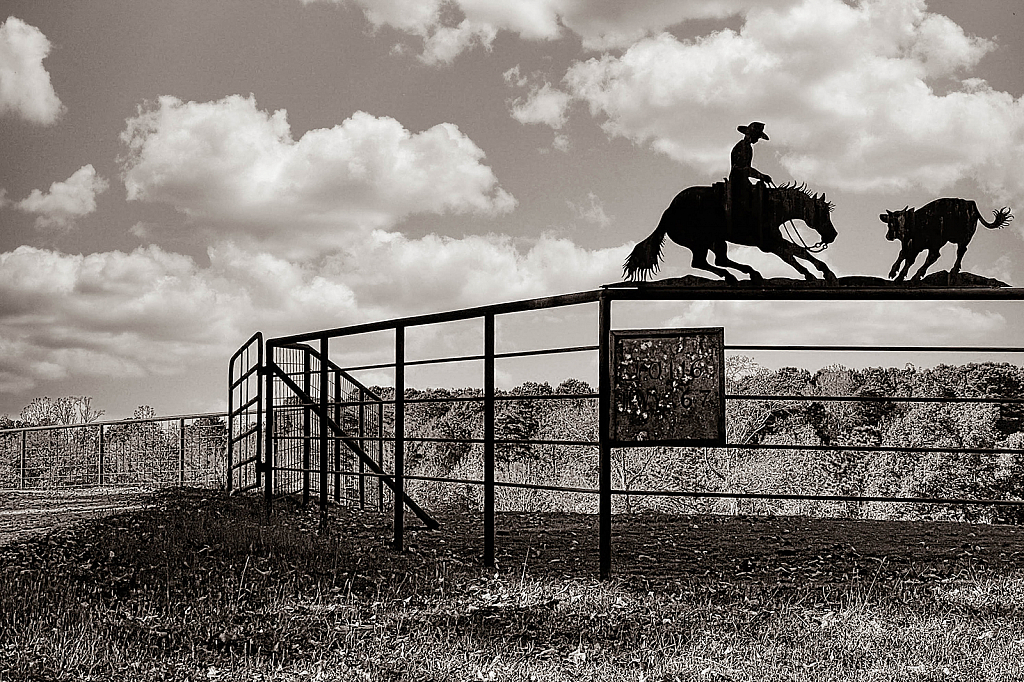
(24, 513)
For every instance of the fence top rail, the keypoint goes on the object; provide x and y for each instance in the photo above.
(786, 290)
(795, 290)
(447, 316)
(116, 422)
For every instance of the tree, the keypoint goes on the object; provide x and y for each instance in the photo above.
(62, 411)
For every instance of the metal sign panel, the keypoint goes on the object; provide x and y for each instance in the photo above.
(668, 387)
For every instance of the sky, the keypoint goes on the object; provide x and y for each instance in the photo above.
(177, 175)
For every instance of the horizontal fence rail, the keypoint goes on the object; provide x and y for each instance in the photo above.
(154, 452)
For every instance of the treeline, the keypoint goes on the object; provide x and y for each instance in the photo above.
(873, 447)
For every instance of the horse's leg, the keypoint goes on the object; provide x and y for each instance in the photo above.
(933, 255)
(789, 253)
(721, 250)
(700, 261)
(823, 268)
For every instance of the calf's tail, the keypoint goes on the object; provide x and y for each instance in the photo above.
(1002, 216)
(645, 258)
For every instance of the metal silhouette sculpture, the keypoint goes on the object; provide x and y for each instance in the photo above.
(704, 219)
(931, 227)
(697, 219)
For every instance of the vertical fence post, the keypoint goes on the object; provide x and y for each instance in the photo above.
(21, 463)
(231, 420)
(268, 450)
(306, 425)
(362, 446)
(489, 439)
(322, 421)
(259, 410)
(399, 492)
(380, 456)
(604, 419)
(337, 439)
(181, 451)
(99, 462)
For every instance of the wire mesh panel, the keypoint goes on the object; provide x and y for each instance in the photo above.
(60, 457)
(323, 420)
(155, 452)
(10, 458)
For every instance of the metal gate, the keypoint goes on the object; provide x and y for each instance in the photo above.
(245, 416)
(325, 424)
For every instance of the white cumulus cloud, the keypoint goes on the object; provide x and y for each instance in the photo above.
(25, 88)
(152, 312)
(543, 104)
(231, 162)
(449, 27)
(65, 201)
(850, 93)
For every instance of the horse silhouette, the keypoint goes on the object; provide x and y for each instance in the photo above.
(699, 219)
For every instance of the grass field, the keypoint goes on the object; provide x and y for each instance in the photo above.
(194, 586)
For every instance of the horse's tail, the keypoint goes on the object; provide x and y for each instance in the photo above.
(645, 259)
(1002, 216)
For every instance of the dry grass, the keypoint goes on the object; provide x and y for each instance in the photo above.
(198, 587)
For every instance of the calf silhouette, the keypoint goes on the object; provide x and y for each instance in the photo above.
(931, 227)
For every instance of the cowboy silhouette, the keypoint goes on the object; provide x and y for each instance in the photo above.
(742, 203)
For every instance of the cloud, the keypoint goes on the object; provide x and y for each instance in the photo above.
(66, 201)
(862, 97)
(25, 88)
(869, 323)
(591, 210)
(543, 104)
(229, 162)
(449, 27)
(152, 312)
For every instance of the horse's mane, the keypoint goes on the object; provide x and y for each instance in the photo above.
(802, 189)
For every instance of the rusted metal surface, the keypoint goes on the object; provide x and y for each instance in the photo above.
(668, 387)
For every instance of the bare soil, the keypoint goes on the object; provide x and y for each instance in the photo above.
(26, 513)
(658, 549)
(764, 549)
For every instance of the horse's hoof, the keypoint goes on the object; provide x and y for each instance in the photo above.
(756, 277)
(729, 279)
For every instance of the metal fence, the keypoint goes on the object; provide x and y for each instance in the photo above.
(156, 452)
(300, 429)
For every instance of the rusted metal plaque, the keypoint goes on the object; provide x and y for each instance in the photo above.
(668, 387)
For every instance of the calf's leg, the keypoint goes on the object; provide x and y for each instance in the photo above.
(933, 255)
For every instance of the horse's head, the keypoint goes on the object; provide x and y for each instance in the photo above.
(820, 219)
(815, 210)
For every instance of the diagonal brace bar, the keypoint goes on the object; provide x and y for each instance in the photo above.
(353, 444)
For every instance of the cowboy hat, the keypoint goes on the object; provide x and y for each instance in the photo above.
(756, 129)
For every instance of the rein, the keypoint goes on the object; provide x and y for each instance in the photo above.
(817, 248)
